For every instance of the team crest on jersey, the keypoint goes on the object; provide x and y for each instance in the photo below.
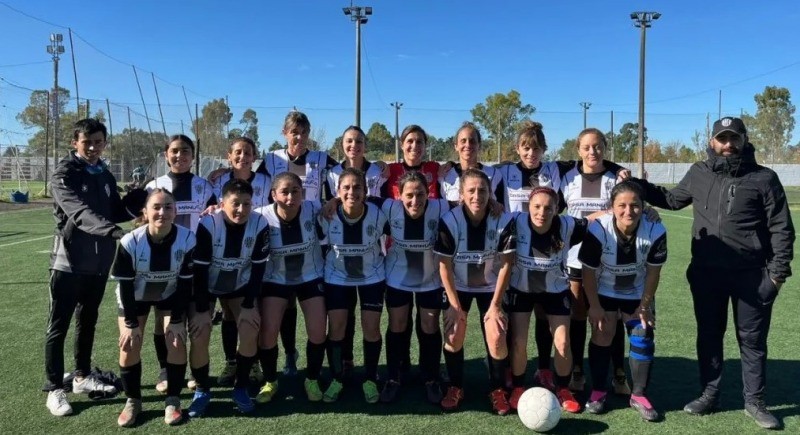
(248, 242)
(610, 185)
(643, 249)
(257, 191)
(533, 180)
(544, 180)
(198, 189)
(491, 235)
(397, 224)
(432, 224)
(179, 256)
(108, 190)
(370, 230)
(84, 188)
(309, 226)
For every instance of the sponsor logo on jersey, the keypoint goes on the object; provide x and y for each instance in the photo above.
(249, 241)
(309, 226)
(300, 248)
(179, 256)
(198, 188)
(473, 257)
(397, 224)
(352, 250)
(230, 263)
(158, 276)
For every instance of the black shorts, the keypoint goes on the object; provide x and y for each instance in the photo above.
(627, 306)
(343, 297)
(302, 291)
(143, 307)
(212, 298)
(429, 300)
(575, 274)
(483, 299)
(554, 304)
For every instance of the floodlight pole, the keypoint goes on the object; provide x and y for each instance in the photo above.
(586, 105)
(642, 20)
(358, 14)
(397, 105)
(55, 49)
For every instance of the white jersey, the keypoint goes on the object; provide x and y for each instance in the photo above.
(410, 262)
(191, 197)
(372, 173)
(475, 250)
(230, 261)
(261, 184)
(519, 184)
(536, 271)
(154, 269)
(295, 255)
(584, 195)
(621, 265)
(355, 256)
(449, 183)
(312, 173)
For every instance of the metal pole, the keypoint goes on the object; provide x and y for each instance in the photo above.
(586, 106)
(158, 100)
(46, 142)
(75, 74)
(719, 108)
(56, 113)
(641, 101)
(611, 141)
(197, 141)
(146, 116)
(397, 105)
(358, 73)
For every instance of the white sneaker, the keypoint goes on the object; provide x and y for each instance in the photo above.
(90, 385)
(57, 403)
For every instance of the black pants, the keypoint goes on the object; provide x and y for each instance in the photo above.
(751, 294)
(71, 293)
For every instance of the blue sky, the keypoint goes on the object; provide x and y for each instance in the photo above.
(439, 58)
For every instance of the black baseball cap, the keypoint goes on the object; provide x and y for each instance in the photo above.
(734, 125)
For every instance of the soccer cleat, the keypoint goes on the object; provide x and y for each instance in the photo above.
(313, 392)
(499, 400)
(433, 391)
(703, 405)
(452, 399)
(620, 384)
(578, 381)
(758, 411)
(545, 379)
(161, 385)
(199, 403)
(371, 394)
(90, 385)
(389, 392)
(567, 401)
(58, 404)
(597, 402)
(513, 398)
(243, 401)
(132, 409)
(172, 411)
(256, 375)
(332, 393)
(645, 408)
(228, 375)
(266, 392)
(290, 366)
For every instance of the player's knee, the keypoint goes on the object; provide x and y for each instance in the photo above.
(642, 343)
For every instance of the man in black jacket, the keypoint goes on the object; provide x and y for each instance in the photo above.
(86, 207)
(742, 238)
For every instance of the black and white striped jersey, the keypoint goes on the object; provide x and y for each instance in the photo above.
(621, 265)
(585, 194)
(410, 262)
(260, 182)
(354, 256)
(311, 167)
(475, 249)
(154, 268)
(230, 250)
(192, 194)
(536, 269)
(449, 183)
(372, 173)
(519, 181)
(295, 255)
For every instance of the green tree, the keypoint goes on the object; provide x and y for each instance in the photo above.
(380, 142)
(500, 116)
(211, 128)
(770, 130)
(134, 147)
(275, 146)
(568, 151)
(700, 144)
(626, 142)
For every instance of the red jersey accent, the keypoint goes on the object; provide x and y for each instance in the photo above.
(429, 169)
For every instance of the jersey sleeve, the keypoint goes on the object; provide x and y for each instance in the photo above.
(445, 241)
(591, 250)
(657, 255)
(330, 162)
(507, 242)
(122, 270)
(261, 247)
(579, 231)
(202, 252)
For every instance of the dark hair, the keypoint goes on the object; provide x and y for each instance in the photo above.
(182, 138)
(413, 128)
(627, 186)
(237, 187)
(473, 173)
(594, 131)
(556, 244)
(88, 126)
(286, 176)
(142, 220)
(412, 177)
(354, 128)
(531, 134)
(296, 118)
(246, 140)
(353, 172)
(471, 126)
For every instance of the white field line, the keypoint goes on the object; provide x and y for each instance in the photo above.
(22, 211)
(26, 241)
(680, 216)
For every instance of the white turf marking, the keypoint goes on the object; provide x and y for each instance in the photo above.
(25, 241)
(676, 215)
(22, 211)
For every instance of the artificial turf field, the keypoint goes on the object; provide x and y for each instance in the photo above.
(25, 239)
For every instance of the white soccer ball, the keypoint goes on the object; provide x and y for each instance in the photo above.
(539, 409)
